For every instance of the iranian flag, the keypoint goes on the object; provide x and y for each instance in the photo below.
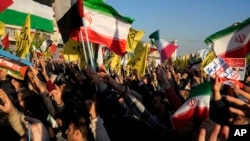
(41, 14)
(165, 48)
(231, 42)
(4, 4)
(105, 26)
(196, 106)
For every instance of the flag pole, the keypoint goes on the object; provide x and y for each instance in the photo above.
(83, 46)
(88, 44)
(90, 52)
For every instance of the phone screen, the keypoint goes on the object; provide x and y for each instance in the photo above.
(50, 86)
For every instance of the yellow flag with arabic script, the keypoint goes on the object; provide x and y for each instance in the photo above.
(139, 61)
(115, 61)
(2, 28)
(134, 36)
(24, 40)
(209, 58)
(72, 51)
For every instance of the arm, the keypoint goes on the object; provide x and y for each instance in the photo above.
(18, 121)
(174, 100)
(137, 108)
(96, 122)
(43, 65)
(43, 93)
(219, 107)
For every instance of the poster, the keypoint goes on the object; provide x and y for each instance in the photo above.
(16, 66)
(218, 67)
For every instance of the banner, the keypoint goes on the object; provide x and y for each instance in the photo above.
(239, 65)
(16, 66)
(219, 68)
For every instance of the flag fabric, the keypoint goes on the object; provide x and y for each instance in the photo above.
(45, 45)
(105, 26)
(68, 17)
(115, 62)
(16, 67)
(41, 13)
(23, 43)
(153, 48)
(53, 48)
(202, 53)
(73, 51)
(101, 67)
(134, 36)
(5, 4)
(165, 48)
(139, 61)
(208, 59)
(37, 51)
(5, 42)
(196, 106)
(2, 28)
(231, 42)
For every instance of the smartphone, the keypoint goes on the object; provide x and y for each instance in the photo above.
(50, 86)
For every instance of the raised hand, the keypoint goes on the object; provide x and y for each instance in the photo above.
(216, 87)
(7, 106)
(240, 109)
(218, 133)
(57, 95)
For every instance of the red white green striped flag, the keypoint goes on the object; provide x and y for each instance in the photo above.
(4, 4)
(41, 13)
(165, 48)
(106, 26)
(196, 106)
(231, 42)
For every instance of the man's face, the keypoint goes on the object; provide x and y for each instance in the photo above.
(156, 103)
(70, 132)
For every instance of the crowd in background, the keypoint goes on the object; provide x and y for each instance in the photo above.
(57, 101)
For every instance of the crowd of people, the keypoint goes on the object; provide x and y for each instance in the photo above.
(57, 101)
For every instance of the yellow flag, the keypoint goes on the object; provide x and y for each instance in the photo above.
(72, 51)
(209, 58)
(133, 37)
(47, 54)
(139, 61)
(115, 61)
(23, 43)
(2, 28)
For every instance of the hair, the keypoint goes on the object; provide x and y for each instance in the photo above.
(80, 124)
(75, 112)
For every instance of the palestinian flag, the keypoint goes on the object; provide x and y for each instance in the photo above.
(41, 13)
(68, 14)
